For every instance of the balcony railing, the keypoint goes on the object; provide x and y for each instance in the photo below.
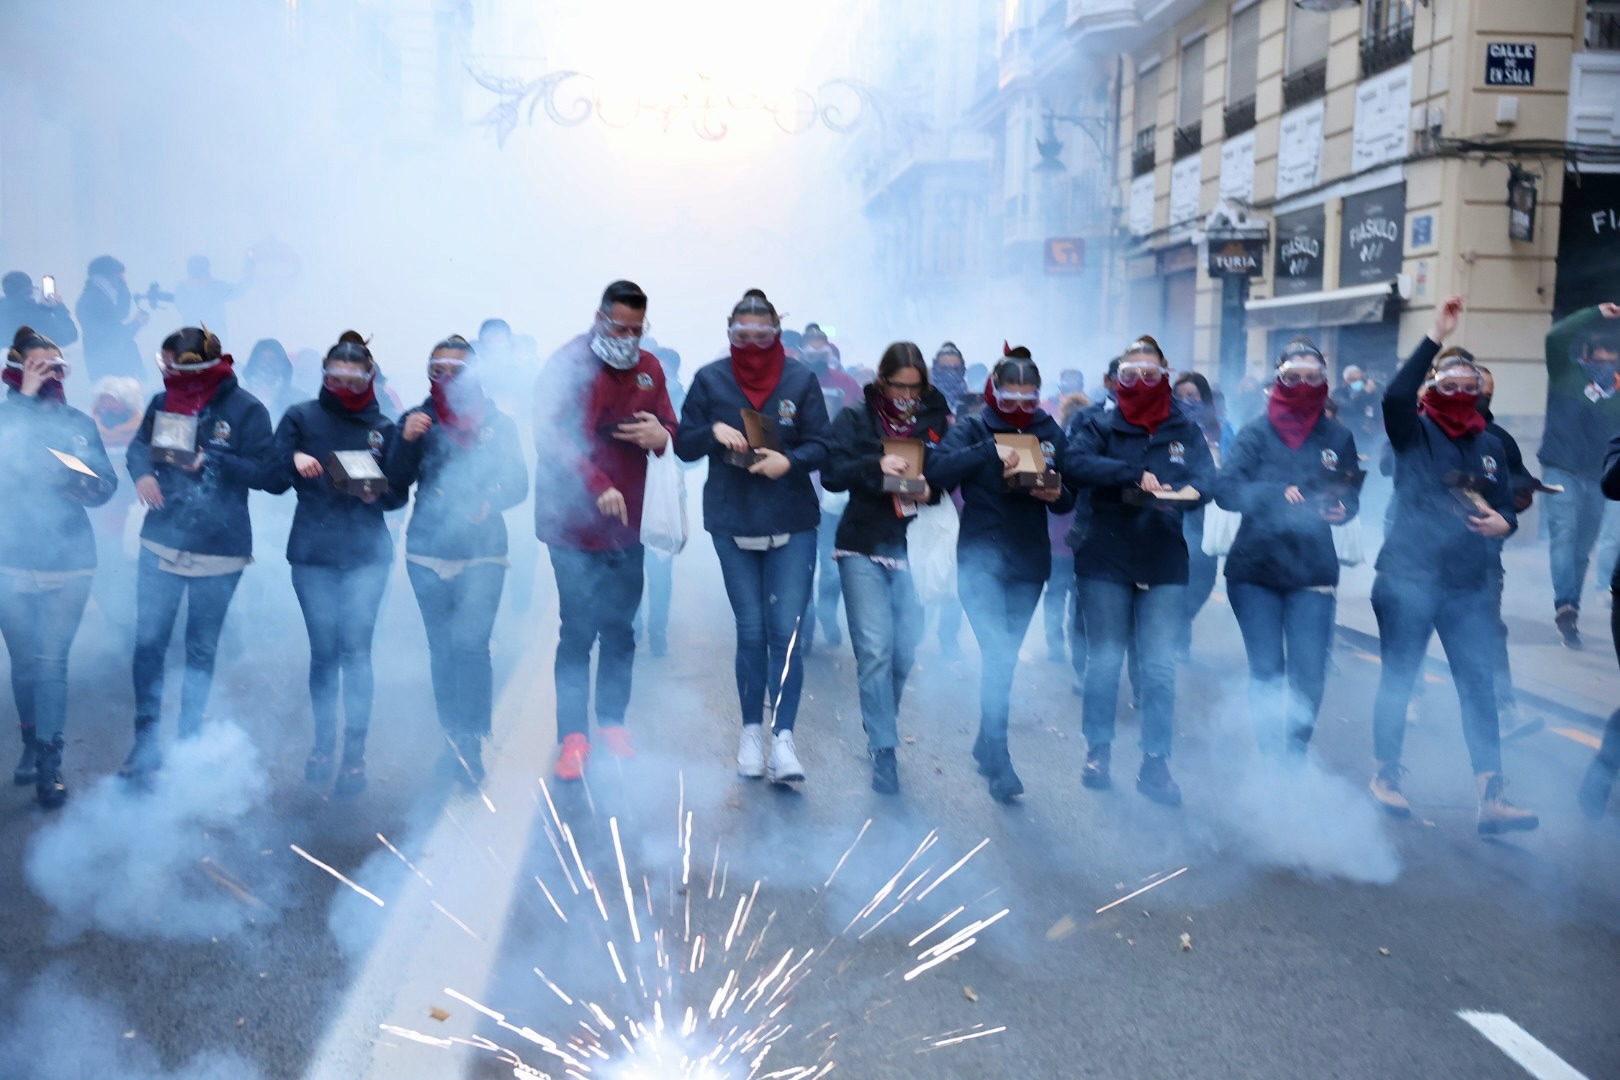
(1239, 117)
(1142, 151)
(1306, 84)
(1189, 140)
(1386, 49)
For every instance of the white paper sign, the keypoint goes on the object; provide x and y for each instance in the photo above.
(1186, 176)
(1299, 149)
(1383, 119)
(1142, 204)
(1237, 168)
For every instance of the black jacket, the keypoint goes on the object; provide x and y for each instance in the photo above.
(43, 525)
(331, 528)
(52, 320)
(461, 492)
(1428, 540)
(206, 512)
(1280, 544)
(1578, 427)
(1003, 531)
(871, 525)
(1129, 543)
(735, 502)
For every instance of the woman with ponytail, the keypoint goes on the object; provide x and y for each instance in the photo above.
(47, 550)
(1453, 500)
(340, 550)
(1293, 475)
(197, 538)
(465, 458)
(1133, 565)
(1003, 552)
(763, 518)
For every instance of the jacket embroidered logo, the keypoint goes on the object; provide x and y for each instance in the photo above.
(1178, 454)
(222, 431)
(375, 441)
(787, 410)
(1330, 460)
(1489, 464)
(644, 381)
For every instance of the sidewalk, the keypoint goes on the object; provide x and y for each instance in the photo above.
(1566, 684)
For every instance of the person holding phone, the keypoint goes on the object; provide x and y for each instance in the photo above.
(47, 549)
(762, 518)
(1453, 501)
(47, 316)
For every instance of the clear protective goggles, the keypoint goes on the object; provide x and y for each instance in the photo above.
(60, 368)
(1302, 371)
(1149, 374)
(167, 366)
(740, 334)
(1014, 402)
(1458, 379)
(441, 368)
(344, 380)
(613, 328)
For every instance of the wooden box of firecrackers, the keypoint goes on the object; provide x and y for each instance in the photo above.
(355, 472)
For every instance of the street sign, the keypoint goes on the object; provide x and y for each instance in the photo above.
(1510, 64)
(1065, 255)
(1239, 253)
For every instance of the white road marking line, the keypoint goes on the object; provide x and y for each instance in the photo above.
(1524, 1048)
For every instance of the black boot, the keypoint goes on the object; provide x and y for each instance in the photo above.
(1154, 781)
(146, 756)
(351, 779)
(1095, 773)
(885, 772)
(998, 770)
(981, 754)
(25, 772)
(1595, 789)
(49, 787)
(318, 766)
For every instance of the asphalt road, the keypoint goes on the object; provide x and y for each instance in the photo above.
(1307, 936)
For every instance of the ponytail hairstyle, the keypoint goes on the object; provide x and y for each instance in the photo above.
(1146, 345)
(353, 349)
(755, 302)
(194, 348)
(1016, 366)
(26, 340)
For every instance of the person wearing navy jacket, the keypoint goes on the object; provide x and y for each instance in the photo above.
(47, 550)
(197, 538)
(1132, 564)
(1598, 783)
(1293, 475)
(763, 518)
(885, 619)
(1003, 551)
(340, 551)
(465, 458)
(1453, 501)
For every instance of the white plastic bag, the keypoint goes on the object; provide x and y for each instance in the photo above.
(931, 551)
(1347, 543)
(663, 506)
(1220, 529)
(834, 502)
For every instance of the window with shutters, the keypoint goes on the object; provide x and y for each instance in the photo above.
(1242, 70)
(1190, 99)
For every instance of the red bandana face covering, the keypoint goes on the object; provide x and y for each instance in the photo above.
(459, 401)
(51, 393)
(354, 400)
(1143, 405)
(186, 392)
(1294, 411)
(758, 369)
(1457, 414)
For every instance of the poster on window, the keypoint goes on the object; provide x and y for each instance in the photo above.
(1300, 238)
(1299, 149)
(1142, 204)
(1383, 119)
(1237, 168)
(1185, 178)
(1372, 229)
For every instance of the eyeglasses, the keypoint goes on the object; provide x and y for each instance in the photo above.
(616, 329)
(1146, 374)
(906, 388)
(752, 335)
(341, 381)
(1293, 374)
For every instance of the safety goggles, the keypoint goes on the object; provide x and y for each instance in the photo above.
(1458, 379)
(1302, 372)
(1145, 374)
(60, 368)
(615, 329)
(335, 380)
(1008, 402)
(752, 335)
(445, 367)
(167, 366)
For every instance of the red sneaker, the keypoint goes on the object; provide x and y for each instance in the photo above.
(571, 758)
(618, 740)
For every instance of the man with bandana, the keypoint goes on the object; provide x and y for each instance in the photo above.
(1583, 414)
(600, 406)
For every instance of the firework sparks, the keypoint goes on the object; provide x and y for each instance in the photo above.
(367, 893)
(401, 856)
(1143, 889)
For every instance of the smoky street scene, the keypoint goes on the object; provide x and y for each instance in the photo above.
(740, 540)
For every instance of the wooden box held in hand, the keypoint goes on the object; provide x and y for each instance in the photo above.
(761, 435)
(174, 439)
(912, 482)
(1031, 473)
(77, 476)
(355, 472)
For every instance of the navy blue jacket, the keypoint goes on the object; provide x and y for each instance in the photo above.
(43, 525)
(1003, 531)
(1611, 490)
(206, 512)
(1132, 544)
(870, 524)
(1428, 540)
(332, 528)
(1283, 545)
(461, 491)
(735, 502)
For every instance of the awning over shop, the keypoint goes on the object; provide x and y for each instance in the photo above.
(1336, 307)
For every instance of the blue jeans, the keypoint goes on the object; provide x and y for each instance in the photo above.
(1578, 520)
(1201, 572)
(1287, 634)
(1160, 613)
(39, 628)
(1501, 666)
(999, 610)
(340, 608)
(885, 624)
(1061, 610)
(660, 585)
(459, 614)
(1408, 612)
(157, 605)
(598, 593)
(769, 593)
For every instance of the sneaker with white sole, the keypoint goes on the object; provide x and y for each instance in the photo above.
(751, 752)
(784, 767)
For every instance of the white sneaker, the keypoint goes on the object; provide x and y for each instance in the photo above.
(785, 767)
(751, 752)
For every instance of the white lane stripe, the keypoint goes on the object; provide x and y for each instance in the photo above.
(1524, 1048)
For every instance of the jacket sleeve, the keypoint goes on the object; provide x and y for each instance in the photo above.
(397, 495)
(1205, 477)
(559, 426)
(814, 425)
(1401, 396)
(1086, 463)
(248, 462)
(1502, 499)
(138, 458)
(402, 463)
(95, 456)
(966, 448)
(1563, 370)
(1237, 489)
(1065, 500)
(853, 455)
(1352, 498)
(279, 474)
(694, 435)
(665, 411)
(510, 474)
(1611, 470)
